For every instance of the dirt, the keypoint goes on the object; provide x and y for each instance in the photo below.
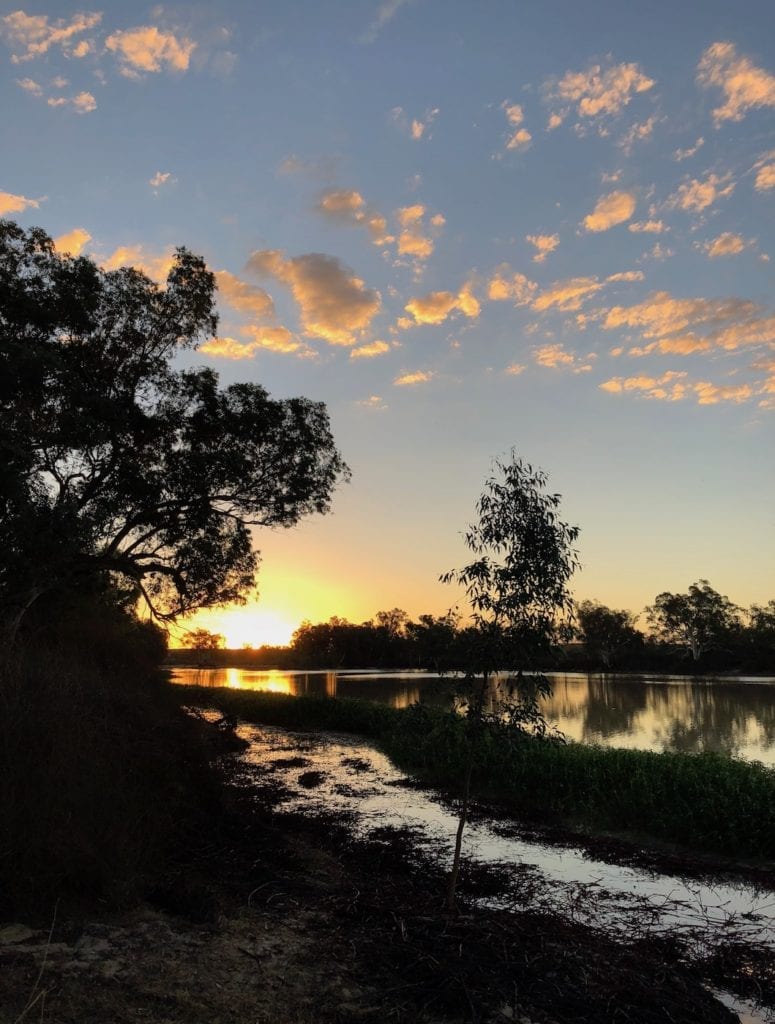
(289, 919)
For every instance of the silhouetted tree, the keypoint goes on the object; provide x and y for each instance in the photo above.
(204, 643)
(517, 587)
(606, 632)
(699, 620)
(117, 465)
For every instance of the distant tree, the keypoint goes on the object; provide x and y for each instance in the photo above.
(432, 641)
(204, 643)
(606, 632)
(518, 589)
(760, 635)
(393, 622)
(699, 620)
(118, 465)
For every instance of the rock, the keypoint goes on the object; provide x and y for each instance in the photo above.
(13, 933)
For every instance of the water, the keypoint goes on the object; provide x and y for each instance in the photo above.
(733, 715)
(359, 780)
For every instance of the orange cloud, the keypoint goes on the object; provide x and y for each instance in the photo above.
(654, 227)
(661, 314)
(372, 402)
(765, 176)
(555, 357)
(435, 307)
(146, 48)
(727, 244)
(626, 275)
(744, 85)
(417, 377)
(155, 266)
(374, 348)
(335, 304)
(668, 387)
(415, 127)
(247, 298)
(347, 206)
(685, 154)
(274, 339)
(637, 133)
(514, 369)
(73, 241)
(695, 195)
(544, 245)
(35, 34)
(610, 210)
(10, 203)
(599, 91)
(520, 137)
(506, 284)
(567, 295)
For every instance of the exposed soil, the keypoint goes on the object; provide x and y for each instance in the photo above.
(289, 919)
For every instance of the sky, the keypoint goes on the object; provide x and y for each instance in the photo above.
(465, 227)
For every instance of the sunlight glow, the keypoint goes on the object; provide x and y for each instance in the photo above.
(245, 626)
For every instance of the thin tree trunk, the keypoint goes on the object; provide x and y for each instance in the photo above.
(454, 874)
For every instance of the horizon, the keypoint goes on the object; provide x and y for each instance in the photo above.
(462, 231)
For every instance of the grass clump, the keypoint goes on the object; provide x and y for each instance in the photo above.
(708, 802)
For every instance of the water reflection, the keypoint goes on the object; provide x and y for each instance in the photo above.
(731, 715)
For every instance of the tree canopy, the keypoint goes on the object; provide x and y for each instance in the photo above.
(117, 464)
(699, 620)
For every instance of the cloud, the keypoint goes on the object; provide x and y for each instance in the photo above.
(765, 172)
(417, 377)
(10, 203)
(154, 265)
(520, 138)
(610, 210)
(727, 244)
(685, 154)
(245, 297)
(30, 86)
(544, 245)
(374, 348)
(600, 91)
(744, 85)
(374, 402)
(555, 357)
(73, 241)
(146, 48)
(413, 238)
(662, 314)
(346, 206)
(555, 120)
(626, 275)
(637, 133)
(514, 369)
(435, 307)
(385, 14)
(34, 35)
(669, 387)
(273, 339)
(160, 179)
(567, 295)
(697, 195)
(654, 227)
(415, 127)
(506, 284)
(81, 103)
(335, 304)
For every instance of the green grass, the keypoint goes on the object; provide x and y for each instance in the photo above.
(707, 802)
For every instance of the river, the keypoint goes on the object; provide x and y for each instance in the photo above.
(731, 714)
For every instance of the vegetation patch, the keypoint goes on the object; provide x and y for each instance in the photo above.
(709, 802)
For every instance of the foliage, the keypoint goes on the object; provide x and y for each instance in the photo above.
(105, 791)
(707, 802)
(699, 620)
(606, 632)
(118, 465)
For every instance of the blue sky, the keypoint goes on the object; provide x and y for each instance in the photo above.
(465, 227)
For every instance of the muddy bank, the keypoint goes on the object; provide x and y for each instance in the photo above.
(294, 916)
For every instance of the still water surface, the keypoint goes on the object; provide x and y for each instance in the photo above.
(734, 715)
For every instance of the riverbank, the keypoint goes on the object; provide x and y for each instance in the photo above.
(293, 918)
(707, 804)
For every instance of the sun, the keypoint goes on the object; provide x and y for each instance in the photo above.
(246, 627)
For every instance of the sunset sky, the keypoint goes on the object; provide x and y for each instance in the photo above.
(466, 227)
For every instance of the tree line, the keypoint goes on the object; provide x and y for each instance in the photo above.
(700, 630)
